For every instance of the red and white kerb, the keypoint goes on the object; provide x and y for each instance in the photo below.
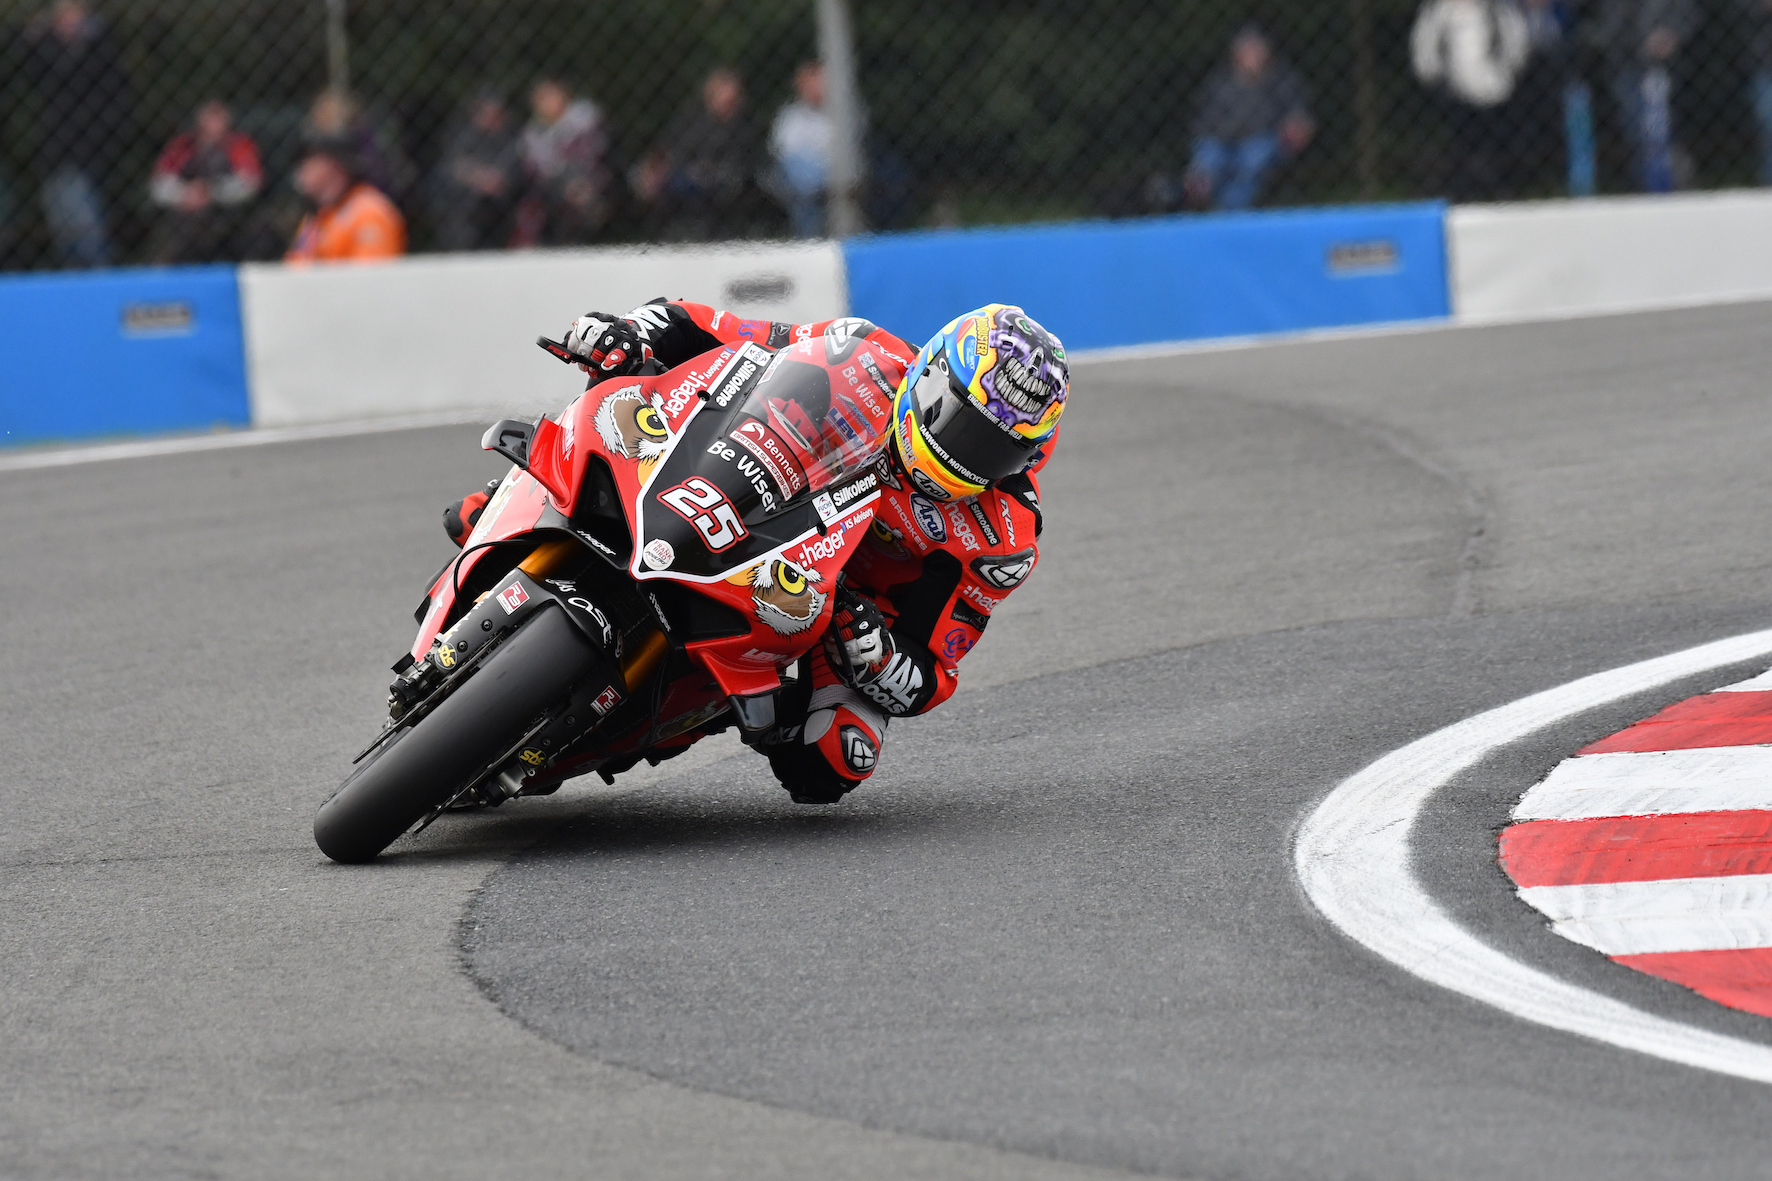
(1654, 846)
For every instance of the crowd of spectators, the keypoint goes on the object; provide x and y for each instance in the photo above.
(501, 181)
(1519, 87)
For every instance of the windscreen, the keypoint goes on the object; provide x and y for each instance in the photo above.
(809, 426)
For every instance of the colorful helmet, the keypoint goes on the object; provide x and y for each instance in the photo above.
(978, 402)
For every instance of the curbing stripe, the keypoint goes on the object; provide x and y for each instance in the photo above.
(1354, 855)
(1644, 918)
(1649, 783)
(1637, 848)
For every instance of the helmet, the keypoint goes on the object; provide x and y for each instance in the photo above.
(978, 402)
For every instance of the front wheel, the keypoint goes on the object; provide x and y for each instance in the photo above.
(430, 763)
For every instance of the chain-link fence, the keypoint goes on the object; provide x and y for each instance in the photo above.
(135, 131)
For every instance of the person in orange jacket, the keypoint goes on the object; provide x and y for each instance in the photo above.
(351, 219)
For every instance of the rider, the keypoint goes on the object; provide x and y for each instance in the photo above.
(974, 419)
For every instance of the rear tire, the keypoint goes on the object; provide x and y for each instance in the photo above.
(454, 742)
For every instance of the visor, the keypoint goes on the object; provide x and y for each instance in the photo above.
(963, 434)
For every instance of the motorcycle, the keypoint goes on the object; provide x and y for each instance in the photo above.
(656, 561)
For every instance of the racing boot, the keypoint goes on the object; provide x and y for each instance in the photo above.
(460, 518)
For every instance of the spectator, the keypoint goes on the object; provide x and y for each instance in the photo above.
(1758, 14)
(352, 220)
(1551, 111)
(475, 184)
(1254, 112)
(203, 179)
(700, 178)
(336, 116)
(564, 153)
(1641, 41)
(800, 141)
(1472, 52)
(69, 57)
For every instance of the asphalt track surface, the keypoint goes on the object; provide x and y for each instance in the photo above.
(1057, 936)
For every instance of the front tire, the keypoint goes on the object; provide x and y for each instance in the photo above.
(454, 742)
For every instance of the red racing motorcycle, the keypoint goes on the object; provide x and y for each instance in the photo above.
(656, 561)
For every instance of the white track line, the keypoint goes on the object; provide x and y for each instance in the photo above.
(1759, 684)
(226, 440)
(1648, 783)
(1669, 914)
(1353, 859)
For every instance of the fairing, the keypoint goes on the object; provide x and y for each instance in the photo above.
(746, 477)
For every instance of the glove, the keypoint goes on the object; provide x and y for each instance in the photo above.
(857, 643)
(608, 343)
(460, 518)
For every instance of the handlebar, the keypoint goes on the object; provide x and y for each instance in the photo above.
(558, 350)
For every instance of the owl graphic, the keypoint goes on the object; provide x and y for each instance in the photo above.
(786, 597)
(632, 427)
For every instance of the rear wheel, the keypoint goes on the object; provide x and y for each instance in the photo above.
(440, 755)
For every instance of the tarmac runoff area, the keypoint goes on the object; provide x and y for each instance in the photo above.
(1059, 935)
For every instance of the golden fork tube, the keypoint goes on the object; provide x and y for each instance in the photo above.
(637, 665)
(546, 556)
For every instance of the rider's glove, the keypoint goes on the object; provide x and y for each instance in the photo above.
(857, 643)
(608, 344)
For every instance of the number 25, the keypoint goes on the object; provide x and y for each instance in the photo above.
(705, 507)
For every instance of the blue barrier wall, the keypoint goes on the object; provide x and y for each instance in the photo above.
(120, 352)
(1105, 284)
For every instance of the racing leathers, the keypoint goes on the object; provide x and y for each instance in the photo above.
(916, 596)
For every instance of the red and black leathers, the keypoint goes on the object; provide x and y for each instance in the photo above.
(934, 572)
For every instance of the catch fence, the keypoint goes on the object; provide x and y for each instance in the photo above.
(665, 120)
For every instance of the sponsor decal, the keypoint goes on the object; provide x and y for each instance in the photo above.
(842, 337)
(978, 596)
(962, 529)
(855, 489)
(773, 454)
(534, 758)
(1008, 524)
(659, 554)
(766, 488)
(779, 335)
(859, 752)
(928, 486)
(689, 721)
(759, 656)
(512, 597)
(928, 519)
(1005, 572)
(715, 322)
(896, 689)
(956, 643)
(658, 612)
(872, 368)
(564, 585)
(785, 595)
(889, 539)
(757, 330)
(984, 522)
(740, 375)
(596, 545)
(827, 511)
(976, 620)
(445, 656)
(888, 477)
(828, 546)
(606, 701)
(590, 609)
(912, 533)
(802, 333)
(841, 421)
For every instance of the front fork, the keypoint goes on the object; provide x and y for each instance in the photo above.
(493, 617)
